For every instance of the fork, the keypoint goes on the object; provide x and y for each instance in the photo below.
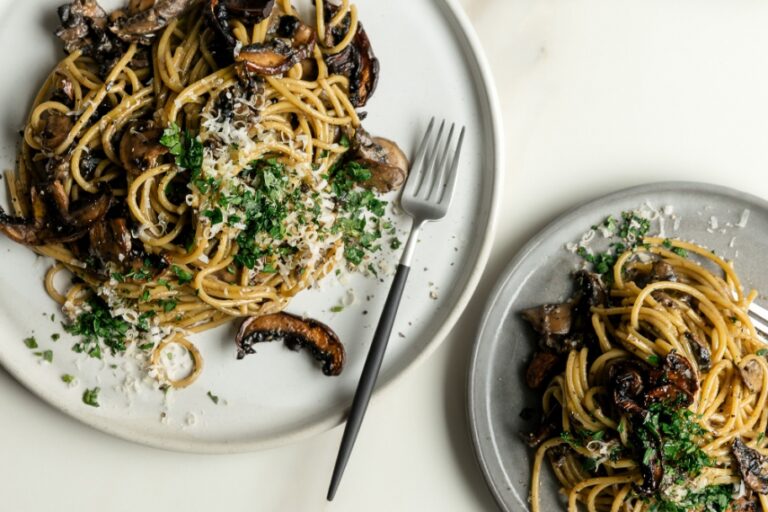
(425, 197)
(759, 317)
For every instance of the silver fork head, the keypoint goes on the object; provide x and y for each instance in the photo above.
(427, 193)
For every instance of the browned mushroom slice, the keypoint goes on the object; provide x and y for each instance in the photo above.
(141, 26)
(383, 158)
(78, 19)
(651, 469)
(89, 210)
(549, 426)
(700, 351)
(110, 240)
(55, 129)
(678, 371)
(626, 382)
(543, 366)
(357, 61)
(662, 271)
(275, 57)
(550, 318)
(752, 465)
(140, 147)
(752, 374)
(297, 333)
(22, 231)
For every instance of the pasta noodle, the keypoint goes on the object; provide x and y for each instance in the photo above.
(675, 309)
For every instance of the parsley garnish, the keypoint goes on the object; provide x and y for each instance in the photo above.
(214, 398)
(183, 276)
(91, 397)
(67, 378)
(98, 326)
(216, 216)
(46, 355)
(168, 305)
(30, 342)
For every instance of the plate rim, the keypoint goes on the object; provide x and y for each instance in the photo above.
(475, 409)
(463, 31)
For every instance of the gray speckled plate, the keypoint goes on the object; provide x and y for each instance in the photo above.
(541, 273)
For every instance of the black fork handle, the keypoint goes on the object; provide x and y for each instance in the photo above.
(368, 378)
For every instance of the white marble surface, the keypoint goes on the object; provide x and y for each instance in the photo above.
(597, 95)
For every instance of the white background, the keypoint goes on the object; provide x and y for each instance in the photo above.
(596, 96)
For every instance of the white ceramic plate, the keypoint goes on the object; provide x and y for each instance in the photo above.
(431, 65)
(541, 273)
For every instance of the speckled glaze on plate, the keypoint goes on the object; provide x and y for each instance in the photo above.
(278, 396)
(541, 273)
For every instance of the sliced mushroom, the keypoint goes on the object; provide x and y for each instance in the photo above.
(357, 61)
(140, 147)
(543, 366)
(677, 370)
(383, 158)
(141, 26)
(590, 292)
(89, 210)
(662, 271)
(752, 465)
(110, 240)
(626, 384)
(278, 55)
(78, 19)
(20, 230)
(55, 129)
(752, 374)
(550, 318)
(297, 333)
(700, 351)
(651, 469)
(550, 424)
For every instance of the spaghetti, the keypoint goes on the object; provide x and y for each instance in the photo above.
(180, 182)
(658, 403)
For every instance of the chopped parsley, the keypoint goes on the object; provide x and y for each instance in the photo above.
(45, 355)
(30, 342)
(216, 216)
(97, 327)
(168, 305)
(680, 439)
(713, 498)
(337, 309)
(91, 397)
(182, 275)
(630, 231)
(762, 352)
(214, 398)
(67, 378)
(55, 336)
(187, 149)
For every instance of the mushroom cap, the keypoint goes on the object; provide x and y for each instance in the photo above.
(140, 147)
(752, 465)
(297, 333)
